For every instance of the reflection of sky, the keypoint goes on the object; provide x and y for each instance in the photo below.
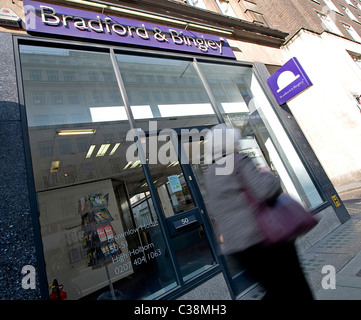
(151, 61)
(44, 50)
(116, 113)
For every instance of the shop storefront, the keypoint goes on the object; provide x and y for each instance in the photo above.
(123, 217)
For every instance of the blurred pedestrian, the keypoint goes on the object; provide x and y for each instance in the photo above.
(275, 267)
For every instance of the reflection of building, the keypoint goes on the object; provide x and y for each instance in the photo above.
(79, 98)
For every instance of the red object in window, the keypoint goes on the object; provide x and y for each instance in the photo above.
(57, 291)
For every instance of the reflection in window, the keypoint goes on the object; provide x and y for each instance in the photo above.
(170, 89)
(244, 105)
(91, 233)
(52, 75)
(35, 75)
(82, 66)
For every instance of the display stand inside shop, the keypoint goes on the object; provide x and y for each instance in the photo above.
(99, 235)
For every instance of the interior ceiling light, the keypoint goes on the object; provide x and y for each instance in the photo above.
(150, 15)
(114, 149)
(90, 151)
(54, 167)
(103, 150)
(75, 132)
(128, 164)
(135, 164)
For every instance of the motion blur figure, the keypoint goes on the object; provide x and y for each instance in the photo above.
(275, 267)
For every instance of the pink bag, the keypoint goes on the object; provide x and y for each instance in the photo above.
(283, 221)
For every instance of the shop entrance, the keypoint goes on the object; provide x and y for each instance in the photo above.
(182, 198)
(194, 146)
(182, 208)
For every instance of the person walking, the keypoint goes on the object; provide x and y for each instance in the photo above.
(276, 267)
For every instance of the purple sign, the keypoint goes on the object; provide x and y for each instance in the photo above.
(62, 21)
(288, 81)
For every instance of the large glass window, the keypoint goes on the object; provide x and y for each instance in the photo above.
(167, 90)
(244, 105)
(101, 235)
(120, 228)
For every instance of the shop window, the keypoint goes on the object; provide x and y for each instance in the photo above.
(102, 215)
(99, 241)
(177, 80)
(263, 136)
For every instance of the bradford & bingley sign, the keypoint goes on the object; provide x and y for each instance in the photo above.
(288, 81)
(63, 21)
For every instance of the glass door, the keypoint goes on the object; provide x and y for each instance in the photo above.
(180, 205)
(194, 146)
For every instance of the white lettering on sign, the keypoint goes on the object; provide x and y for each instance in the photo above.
(50, 17)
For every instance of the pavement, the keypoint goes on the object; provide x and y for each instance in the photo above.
(333, 265)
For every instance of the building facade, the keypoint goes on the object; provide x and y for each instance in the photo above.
(103, 115)
(326, 38)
